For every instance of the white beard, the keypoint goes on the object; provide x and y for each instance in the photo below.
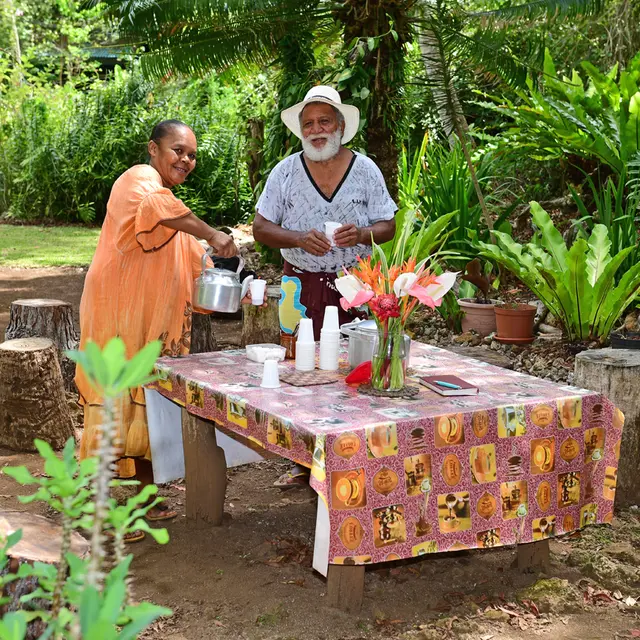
(330, 149)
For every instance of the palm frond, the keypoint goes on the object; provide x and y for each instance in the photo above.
(541, 9)
(195, 36)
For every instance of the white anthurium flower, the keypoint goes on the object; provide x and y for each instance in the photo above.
(445, 282)
(349, 286)
(403, 283)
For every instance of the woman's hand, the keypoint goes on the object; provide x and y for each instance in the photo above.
(247, 300)
(222, 244)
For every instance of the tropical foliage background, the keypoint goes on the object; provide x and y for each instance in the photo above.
(471, 109)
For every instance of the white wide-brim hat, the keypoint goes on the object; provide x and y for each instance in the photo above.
(328, 95)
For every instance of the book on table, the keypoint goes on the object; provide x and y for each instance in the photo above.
(449, 385)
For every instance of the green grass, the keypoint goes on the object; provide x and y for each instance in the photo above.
(32, 246)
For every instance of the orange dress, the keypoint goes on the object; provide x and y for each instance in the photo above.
(138, 287)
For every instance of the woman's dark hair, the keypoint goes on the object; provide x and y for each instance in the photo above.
(164, 128)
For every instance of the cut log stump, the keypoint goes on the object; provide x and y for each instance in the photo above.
(616, 374)
(43, 318)
(32, 398)
(41, 542)
(260, 326)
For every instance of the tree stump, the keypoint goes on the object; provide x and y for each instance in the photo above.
(32, 399)
(203, 339)
(41, 542)
(42, 318)
(259, 325)
(616, 374)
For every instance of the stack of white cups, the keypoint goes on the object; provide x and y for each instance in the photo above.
(305, 346)
(330, 340)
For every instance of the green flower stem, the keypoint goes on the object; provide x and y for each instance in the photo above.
(388, 371)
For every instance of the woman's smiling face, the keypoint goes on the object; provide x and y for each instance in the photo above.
(174, 155)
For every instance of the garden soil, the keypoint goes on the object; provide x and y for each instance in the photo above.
(252, 577)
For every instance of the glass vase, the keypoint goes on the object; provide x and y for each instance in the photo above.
(388, 366)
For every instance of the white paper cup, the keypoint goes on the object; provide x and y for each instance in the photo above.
(270, 376)
(305, 332)
(257, 288)
(329, 229)
(331, 319)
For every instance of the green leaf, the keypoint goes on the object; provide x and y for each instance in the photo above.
(598, 256)
(141, 616)
(89, 608)
(580, 290)
(371, 43)
(138, 368)
(13, 626)
(161, 536)
(551, 238)
(20, 474)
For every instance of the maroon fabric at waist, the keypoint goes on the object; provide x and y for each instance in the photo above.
(318, 292)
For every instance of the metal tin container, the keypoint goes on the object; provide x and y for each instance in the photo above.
(362, 338)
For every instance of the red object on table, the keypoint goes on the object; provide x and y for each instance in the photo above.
(361, 374)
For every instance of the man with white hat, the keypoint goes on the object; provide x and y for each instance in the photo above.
(324, 183)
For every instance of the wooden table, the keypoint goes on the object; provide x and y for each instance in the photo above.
(521, 462)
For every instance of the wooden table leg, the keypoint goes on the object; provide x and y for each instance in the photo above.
(533, 555)
(345, 587)
(205, 471)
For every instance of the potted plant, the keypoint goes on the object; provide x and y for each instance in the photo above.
(514, 322)
(627, 336)
(478, 313)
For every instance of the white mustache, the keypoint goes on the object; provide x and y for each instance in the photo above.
(319, 137)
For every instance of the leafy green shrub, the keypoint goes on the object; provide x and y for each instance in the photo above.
(616, 207)
(87, 598)
(437, 181)
(562, 118)
(578, 284)
(61, 149)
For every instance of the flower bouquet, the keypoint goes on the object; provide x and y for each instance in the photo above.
(392, 289)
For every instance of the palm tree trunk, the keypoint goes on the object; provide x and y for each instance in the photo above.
(445, 96)
(375, 18)
(17, 53)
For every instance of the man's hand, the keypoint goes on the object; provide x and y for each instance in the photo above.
(314, 242)
(347, 236)
(223, 245)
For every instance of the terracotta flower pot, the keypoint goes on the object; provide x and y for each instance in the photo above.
(479, 317)
(515, 323)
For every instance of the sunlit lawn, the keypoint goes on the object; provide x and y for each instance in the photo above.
(46, 246)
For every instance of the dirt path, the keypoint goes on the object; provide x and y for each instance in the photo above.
(252, 578)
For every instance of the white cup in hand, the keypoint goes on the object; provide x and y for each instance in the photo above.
(329, 230)
(257, 288)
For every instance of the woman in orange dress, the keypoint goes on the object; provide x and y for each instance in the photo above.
(139, 285)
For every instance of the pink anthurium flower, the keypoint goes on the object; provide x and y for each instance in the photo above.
(431, 295)
(354, 292)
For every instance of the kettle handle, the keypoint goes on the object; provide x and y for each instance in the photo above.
(203, 261)
(240, 264)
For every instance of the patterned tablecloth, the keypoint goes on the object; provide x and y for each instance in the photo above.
(524, 460)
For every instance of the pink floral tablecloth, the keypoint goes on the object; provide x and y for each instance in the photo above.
(524, 460)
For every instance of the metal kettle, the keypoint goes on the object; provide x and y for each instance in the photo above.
(220, 289)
